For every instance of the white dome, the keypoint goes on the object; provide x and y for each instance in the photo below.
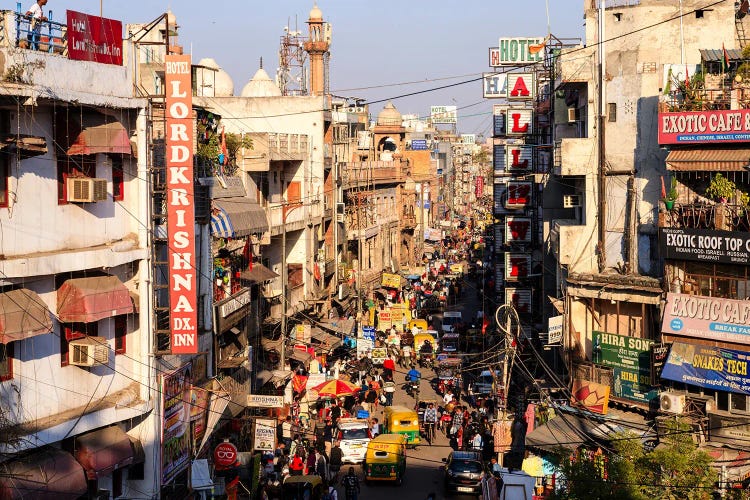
(222, 83)
(316, 14)
(261, 85)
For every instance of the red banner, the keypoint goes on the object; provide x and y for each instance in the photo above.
(696, 127)
(479, 187)
(92, 38)
(180, 209)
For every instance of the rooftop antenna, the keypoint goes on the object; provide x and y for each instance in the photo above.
(261, 62)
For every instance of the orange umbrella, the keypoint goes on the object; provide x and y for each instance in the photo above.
(335, 388)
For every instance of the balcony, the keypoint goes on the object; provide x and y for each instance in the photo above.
(564, 238)
(719, 217)
(364, 174)
(268, 147)
(575, 156)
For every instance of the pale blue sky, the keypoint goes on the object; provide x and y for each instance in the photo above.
(375, 43)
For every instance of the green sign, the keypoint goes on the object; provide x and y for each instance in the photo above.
(630, 360)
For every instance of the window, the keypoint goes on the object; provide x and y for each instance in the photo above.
(118, 180)
(295, 278)
(738, 402)
(612, 111)
(70, 167)
(74, 331)
(4, 174)
(6, 362)
(121, 331)
(294, 192)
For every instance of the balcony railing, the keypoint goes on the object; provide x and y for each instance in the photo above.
(45, 36)
(356, 174)
(721, 217)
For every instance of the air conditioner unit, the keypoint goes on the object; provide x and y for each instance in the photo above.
(88, 351)
(86, 190)
(340, 211)
(571, 200)
(572, 115)
(702, 403)
(670, 402)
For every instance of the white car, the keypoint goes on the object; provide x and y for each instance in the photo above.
(353, 436)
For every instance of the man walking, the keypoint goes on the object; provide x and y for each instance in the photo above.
(37, 17)
(351, 485)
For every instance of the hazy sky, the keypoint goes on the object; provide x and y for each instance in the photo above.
(376, 43)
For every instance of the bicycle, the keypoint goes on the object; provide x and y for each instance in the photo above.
(429, 432)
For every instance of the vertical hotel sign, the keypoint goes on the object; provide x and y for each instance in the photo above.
(180, 208)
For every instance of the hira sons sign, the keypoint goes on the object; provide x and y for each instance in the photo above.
(693, 127)
(710, 318)
(630, 359)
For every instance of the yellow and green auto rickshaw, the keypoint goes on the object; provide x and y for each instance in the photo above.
(404, 421)
(302, 488)
(419, 323)
(385, 459)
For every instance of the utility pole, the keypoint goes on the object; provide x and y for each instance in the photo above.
(600, 133)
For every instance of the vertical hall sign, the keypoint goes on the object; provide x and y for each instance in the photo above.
(183, 317)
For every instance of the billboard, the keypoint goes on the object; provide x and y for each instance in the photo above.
(696, 127)
(518, 230)
(517, 51)
(419, 144)
(479, 187)
(555, 329)
(709, 318)
(519, 121)
(443, 114)
(592, 396)
(183, 316)
(703, 245)
(494, 85)
(175, 428)
(630, 360)
(92, 38)
(708, 367)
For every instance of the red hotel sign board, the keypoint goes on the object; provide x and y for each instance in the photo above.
(696, 127)
(180, 210)
(92, 38)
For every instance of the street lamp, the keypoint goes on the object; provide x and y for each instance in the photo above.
(285, 209)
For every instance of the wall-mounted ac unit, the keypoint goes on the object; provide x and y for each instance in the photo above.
(340, 210)
(573, 115)
(571, 200)
(357, 109)
(670, 402)
(88, 351)
(86, 190)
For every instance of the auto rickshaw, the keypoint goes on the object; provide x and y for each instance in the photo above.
(419, 340)
(419, 323)
(404, 421)
(302, 488)
(448, 373)
(449, 342)
(385, 459)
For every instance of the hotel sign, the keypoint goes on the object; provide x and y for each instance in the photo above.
(727, 247)
(517, 51)
(183, 272)
(708, 318)
(696, 127)
(92, 38)
(495, 85)
(443, 114)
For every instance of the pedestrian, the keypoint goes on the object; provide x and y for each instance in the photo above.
(334, 465)
(389, 388)
(331, 493)
(321, 466)
(36, 18)
(328, 437)
(286, 431)
(312, 460)
(374, 428)
(297, 466)
(351, 485)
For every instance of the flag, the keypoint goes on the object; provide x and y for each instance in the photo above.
(663, 189)
(724, 59)
(687, 78)
(668, 85)
(224, 159)
(533, 49)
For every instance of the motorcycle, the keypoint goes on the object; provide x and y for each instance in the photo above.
(426, 360)
(412, 388)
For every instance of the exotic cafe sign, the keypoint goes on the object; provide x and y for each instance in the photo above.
(708, 367)
(183, 272)
(725, 247)
(709, 318)
(691, 127)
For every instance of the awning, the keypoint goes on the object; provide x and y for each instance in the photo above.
(47, 475)
(271, 345)
(22, 315)
(218, 402)
(327, 341)
(103, 451)
(717, 55)
(713, 160)
(237, 217)
(27, 145)
(303, 357)
(100, 134)
(259, 273)
(86, 300)
(276, 377)
(340, 325)
(736, 463)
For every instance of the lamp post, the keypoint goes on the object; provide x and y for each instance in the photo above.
(285, 209)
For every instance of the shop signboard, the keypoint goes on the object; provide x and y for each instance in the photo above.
(710, 318)
(555, 329)
(700, 127)
(176, 412)
(92, 38)
(368, 332)
(225, 455)
(479, 188)
(264, 435)
(232, 310)
(519, 194)
(183, 300)
(591, 395)
(630, 360)
(517, 51)
(419, 144)
(729, 429)
(708, 367)
(303, 334)
(263, 401)
(384, 320)
(495, 85)
(659, 354)
(445, 115)
(364, 347)
(378, 355)
(703, 245)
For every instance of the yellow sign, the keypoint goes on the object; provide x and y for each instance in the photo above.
(391, 280)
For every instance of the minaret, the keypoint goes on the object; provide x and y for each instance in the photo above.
(317, 46)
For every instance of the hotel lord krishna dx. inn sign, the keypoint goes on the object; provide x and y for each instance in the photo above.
(708, 318)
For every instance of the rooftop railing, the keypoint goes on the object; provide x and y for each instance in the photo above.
(45, 36)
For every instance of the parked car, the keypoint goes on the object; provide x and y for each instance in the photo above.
(353, 436)
(463, 472)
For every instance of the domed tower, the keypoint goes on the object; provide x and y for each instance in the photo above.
(389, 133)
(317, 46)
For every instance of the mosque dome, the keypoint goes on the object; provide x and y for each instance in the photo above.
(390, 116)
(316, 14)
(215, 76)
(261, 85)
